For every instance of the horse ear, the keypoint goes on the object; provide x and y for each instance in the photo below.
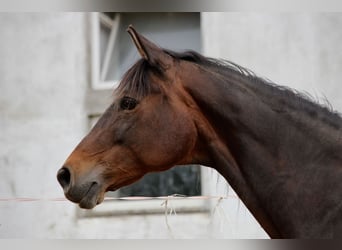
(148, 50)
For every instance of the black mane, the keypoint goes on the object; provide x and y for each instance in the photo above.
(288, 98)
(135, 83)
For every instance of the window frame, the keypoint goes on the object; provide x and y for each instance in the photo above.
(97, 82)
(95, 105)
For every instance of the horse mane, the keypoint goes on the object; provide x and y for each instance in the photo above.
(295, 100)
(135, 83)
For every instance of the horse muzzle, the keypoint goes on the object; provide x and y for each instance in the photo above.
(87, 194)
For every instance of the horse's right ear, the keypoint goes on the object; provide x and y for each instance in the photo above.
(149, 51)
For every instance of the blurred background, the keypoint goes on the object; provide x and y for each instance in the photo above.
(57, 74)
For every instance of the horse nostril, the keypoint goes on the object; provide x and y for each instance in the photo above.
(64, 177)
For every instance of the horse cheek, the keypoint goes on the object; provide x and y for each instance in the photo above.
(163, 144)
(175, 143)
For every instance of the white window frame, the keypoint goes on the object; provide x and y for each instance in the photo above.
(98, 75)
(99, 87)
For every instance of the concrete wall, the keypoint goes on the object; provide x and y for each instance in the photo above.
(43, 79)
(44, 75)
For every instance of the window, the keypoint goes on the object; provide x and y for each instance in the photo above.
(112, 54)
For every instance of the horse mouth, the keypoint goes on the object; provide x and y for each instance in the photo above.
(92, 197)
(95, 195)
(112, 188)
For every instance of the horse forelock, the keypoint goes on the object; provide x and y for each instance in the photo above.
(134, 82)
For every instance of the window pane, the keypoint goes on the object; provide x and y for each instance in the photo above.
(185, 180)
(104, 37)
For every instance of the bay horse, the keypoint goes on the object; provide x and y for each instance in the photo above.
(279, 150)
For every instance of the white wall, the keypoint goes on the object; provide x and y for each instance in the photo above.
(44, 74)
(43, 79)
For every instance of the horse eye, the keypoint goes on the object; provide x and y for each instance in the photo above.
(128, 103)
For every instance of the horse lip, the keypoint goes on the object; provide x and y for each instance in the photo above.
(112, 188)
(90, 199)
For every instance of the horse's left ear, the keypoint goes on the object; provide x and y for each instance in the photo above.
(149, 51)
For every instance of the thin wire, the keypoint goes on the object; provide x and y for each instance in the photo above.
(128, 198)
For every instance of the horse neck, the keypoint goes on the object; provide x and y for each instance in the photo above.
(256, 149)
